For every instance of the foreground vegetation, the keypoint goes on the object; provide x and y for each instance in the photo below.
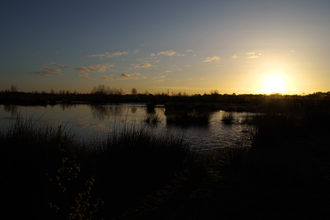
(133, 174)
(47, 172)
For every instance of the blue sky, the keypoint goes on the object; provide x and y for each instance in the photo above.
(187, 46)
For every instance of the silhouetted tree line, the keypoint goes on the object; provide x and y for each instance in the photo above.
(212, 101)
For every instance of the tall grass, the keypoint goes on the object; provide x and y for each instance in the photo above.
(152, 119)
(119, 169)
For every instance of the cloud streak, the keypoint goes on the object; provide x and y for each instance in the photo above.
(159, 78)
(122, 76)
(98, 68)
(55, 64)
(168, 53)
(48, 71)
(115, 54)
(145, 65)
(214, 58)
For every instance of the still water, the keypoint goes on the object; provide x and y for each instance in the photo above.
(90, 121)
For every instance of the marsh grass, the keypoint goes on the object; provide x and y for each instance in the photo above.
(119, 169)
(227, 118)
(152, 119)
(274, 128)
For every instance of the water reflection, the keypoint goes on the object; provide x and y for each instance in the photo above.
(85, 123)
(88, 121)
(103, 113)
(12, 109)
(133, 110)
(150, 108)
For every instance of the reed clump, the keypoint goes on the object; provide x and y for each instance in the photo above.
(227, 118)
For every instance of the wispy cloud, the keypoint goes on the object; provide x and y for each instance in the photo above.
(189, 50)
(122, 76)
(167, 53)
(214, 58)
(95, 68)
(55, 64)
(49, 63)
(62, 66)
(108, 54)
(145, 65)
(172, 69)
(159, 78)
(48, 72)
(85, 75)
(151, 58)
(253, 57)
(136, 51)
(234, 57)
(98, 68)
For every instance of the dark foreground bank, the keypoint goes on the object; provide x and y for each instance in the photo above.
(133, 174)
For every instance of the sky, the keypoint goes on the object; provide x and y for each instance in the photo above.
(237, 46)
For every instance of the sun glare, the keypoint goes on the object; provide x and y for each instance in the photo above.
(274, 84)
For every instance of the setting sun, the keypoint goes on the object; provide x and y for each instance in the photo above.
(274, 84)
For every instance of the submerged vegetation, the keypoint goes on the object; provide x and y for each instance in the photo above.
(188, 118)
(180, 114)
(152, 118)
(227, 118)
